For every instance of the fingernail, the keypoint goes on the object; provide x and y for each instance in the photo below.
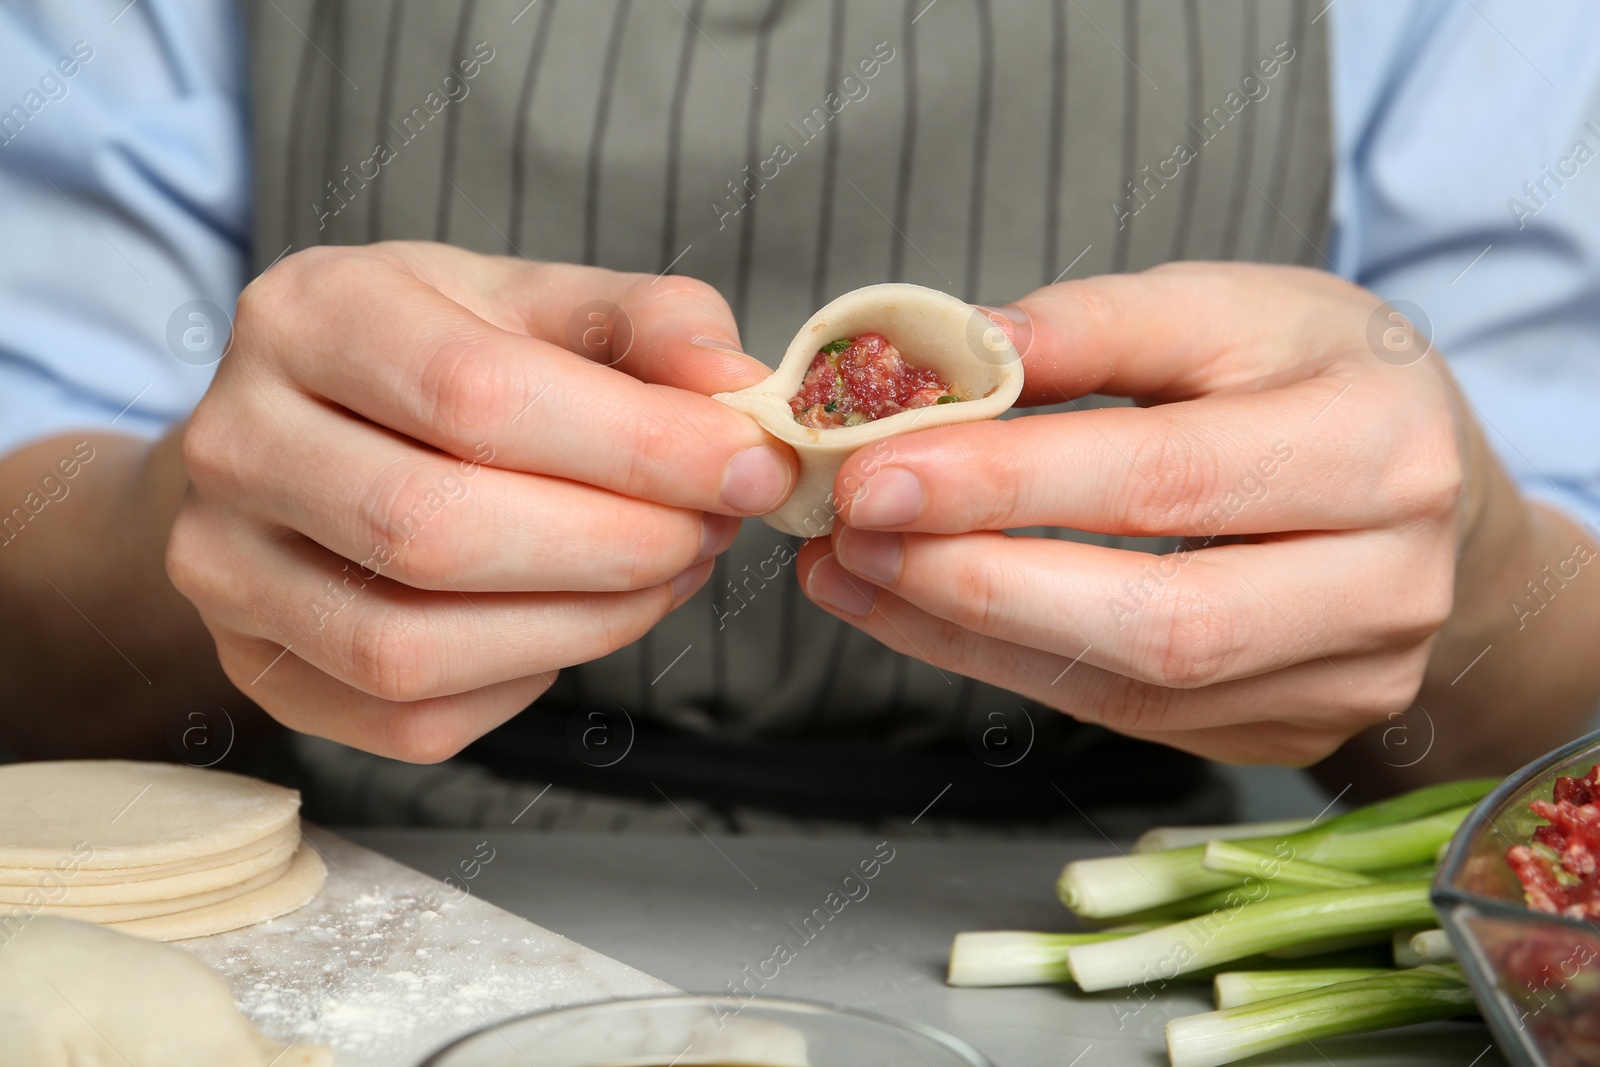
(718, 343)
(716, 534)
(891, 497)
(755, 481)
(1015, 322)
(1014, 315)
(831, 585)
(874, 556)
(690, 580)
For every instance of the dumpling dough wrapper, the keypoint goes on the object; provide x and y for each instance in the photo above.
(932, 330)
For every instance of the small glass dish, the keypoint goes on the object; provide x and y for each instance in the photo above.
(1535, 975)
(701, 1030)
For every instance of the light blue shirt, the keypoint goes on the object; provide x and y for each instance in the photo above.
(1467, 140)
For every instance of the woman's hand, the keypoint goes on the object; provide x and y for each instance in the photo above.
(425, 480)
(1349, 535)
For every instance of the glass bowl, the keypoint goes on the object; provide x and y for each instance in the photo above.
(1536, 975)
(689, 1030)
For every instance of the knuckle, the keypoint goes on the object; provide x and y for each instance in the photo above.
(293, 279)
(391, 655)
(979, 601)
(1435, 604)
(1425, 602)
(1098, 309)
(1430, 484)
(423, 735)
(260, 300)
(1302, 748)
(205, 444)
(651, 438)
(240, 660)
(1197, 640)
(466, 386)
(659, 551)
(1001, 501)
(184, 554)
(1171, 477)
(1397, 685)
(620, 620)
(411, 527)
(675, 289)
(1133, 705)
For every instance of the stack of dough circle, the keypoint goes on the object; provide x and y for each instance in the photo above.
(157, 850)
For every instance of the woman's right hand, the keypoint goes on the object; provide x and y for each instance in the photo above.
(424, 480)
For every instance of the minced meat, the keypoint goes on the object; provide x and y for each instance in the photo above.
(859, 379)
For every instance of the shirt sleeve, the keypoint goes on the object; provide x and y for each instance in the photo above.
(1468, 183)
(124, 175)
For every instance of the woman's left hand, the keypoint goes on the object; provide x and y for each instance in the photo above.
(1318, 459)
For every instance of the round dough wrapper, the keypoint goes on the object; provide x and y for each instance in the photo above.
(66, 872)
(69, 893)
(77, 995)
(145, 909)
(296, 888)
(931, 329)
(132, 814)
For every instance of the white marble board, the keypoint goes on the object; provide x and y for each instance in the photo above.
(388, 964)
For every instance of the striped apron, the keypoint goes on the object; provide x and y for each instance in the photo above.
(786, 151)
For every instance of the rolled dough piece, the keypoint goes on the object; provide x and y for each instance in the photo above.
(65, 872)
(132, 814)
(145, 909)
(298, 885)
(932, 330)
(77, 995)
(69, 893)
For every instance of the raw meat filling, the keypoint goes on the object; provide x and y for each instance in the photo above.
(859, 379)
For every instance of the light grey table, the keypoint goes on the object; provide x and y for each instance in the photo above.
(697, 912)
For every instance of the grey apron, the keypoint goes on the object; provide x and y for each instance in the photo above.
(786, 151)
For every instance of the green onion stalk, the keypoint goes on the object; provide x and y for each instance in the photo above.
(1018, 957)
(1413, 948)
(1398, 998)
(1022, 957)
(1235, 989)
(1247, 930)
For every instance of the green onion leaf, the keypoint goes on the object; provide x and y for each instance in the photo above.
(1117, 886)
(1165, 838)
(1229, 858)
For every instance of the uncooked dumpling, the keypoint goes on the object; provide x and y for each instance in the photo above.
(76, 995)
(933, 331)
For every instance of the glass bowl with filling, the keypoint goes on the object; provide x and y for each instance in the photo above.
(1518, 892)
